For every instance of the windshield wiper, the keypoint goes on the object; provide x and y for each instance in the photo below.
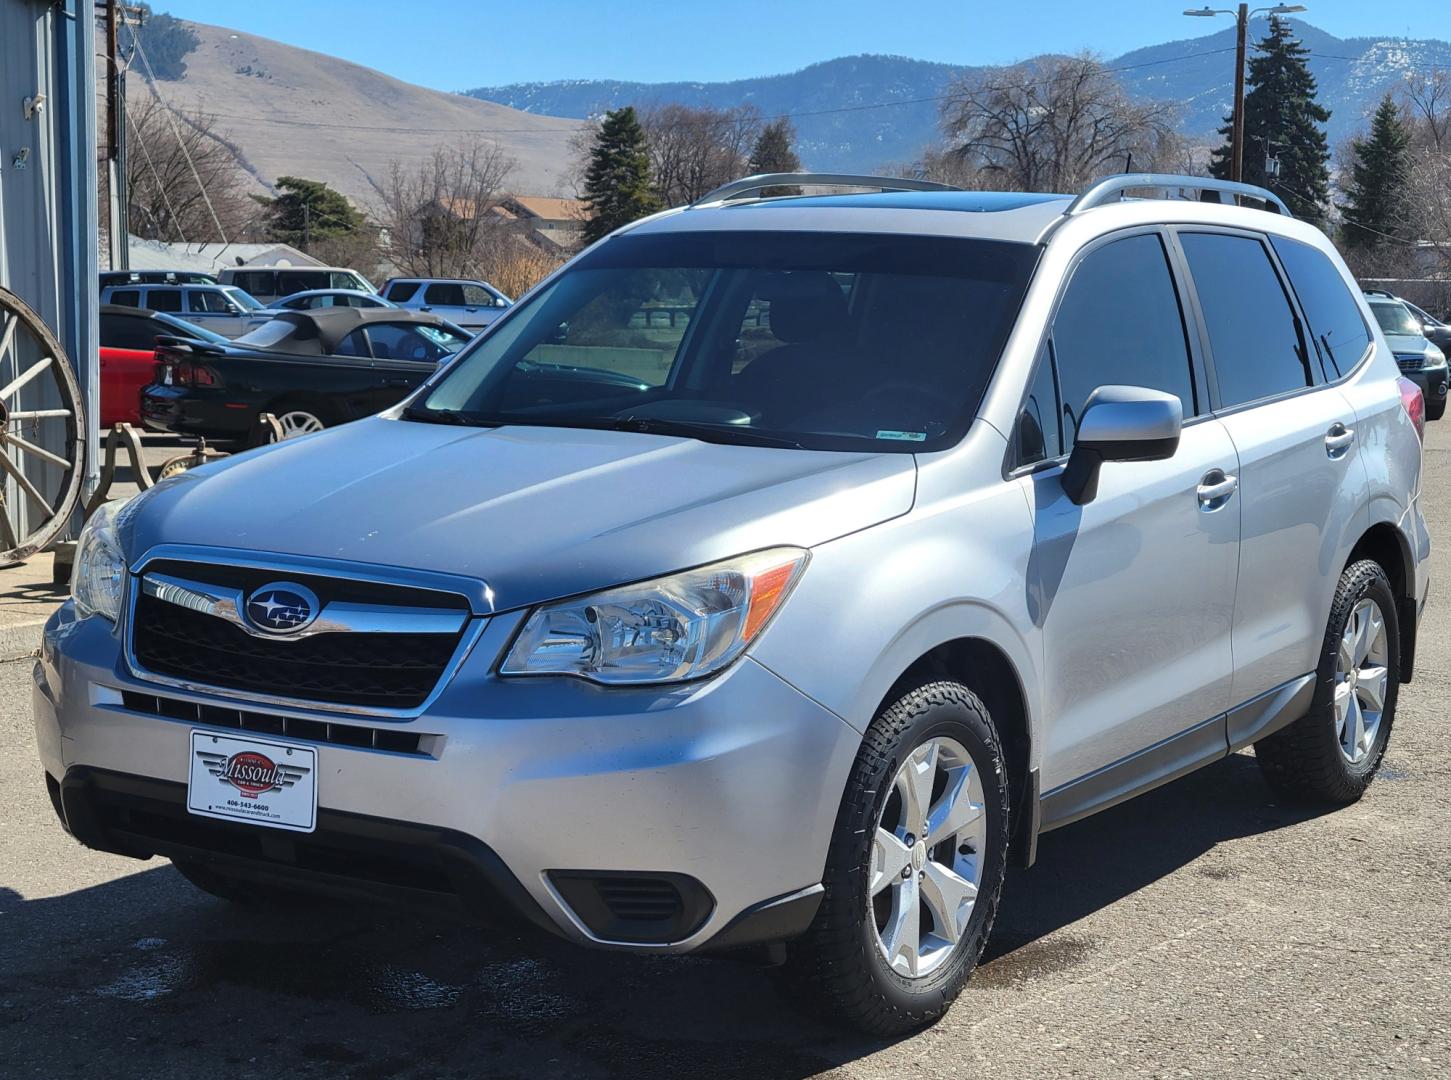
(696, 429)
(445, 416)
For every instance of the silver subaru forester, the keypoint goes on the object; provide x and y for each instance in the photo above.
(776, 572)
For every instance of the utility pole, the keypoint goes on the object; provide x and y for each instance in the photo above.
(115, 136)
(1236, 138)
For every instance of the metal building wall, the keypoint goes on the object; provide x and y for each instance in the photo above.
(48, 217)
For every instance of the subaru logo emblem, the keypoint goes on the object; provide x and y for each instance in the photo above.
(283, 607)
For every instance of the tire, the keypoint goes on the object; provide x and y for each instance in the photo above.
(840, 962)
(237, 890)
(1436, 409)
(1309, 760)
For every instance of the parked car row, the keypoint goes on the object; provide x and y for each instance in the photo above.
(1418, 341)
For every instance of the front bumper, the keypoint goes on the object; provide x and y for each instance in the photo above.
(733, 783)
(1433, 381)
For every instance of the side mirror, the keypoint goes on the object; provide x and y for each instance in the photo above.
(1120, 423)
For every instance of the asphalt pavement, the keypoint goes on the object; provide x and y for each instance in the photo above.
(1204, 930)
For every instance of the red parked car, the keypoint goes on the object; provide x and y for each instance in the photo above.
(128, 356)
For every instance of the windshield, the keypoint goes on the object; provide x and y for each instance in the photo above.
(191, 330)
(814, 340)
(245, 299)
(1395, 319)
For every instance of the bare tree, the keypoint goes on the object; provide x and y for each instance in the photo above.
(1050, 126)
(695, 150)
(1427, 101)
(167, 155)
(440, 217)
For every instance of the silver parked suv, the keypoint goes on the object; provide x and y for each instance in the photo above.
(777, 571)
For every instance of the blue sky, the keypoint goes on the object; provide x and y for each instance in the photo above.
(457, 44)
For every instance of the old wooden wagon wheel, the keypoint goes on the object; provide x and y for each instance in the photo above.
(42, 434)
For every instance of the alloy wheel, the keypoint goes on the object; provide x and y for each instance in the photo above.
(298, 422)
(927, 857)
(1362, 673)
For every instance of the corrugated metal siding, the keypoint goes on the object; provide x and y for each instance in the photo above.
(48, 223)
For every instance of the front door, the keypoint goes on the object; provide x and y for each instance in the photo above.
(1134, 591)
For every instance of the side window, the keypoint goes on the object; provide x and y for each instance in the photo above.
(1039, 436)
(1253, 334)
(355, 344)
(1120, 323)
(1336, 327)
(291, 281)
(477, 296)
(126, 332)
(343, 279)
(444, 293)
(126, 297)
(163, 299)
(256, 282)
(206, 301)
(400, 291)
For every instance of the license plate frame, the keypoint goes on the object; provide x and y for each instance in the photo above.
(252, 781)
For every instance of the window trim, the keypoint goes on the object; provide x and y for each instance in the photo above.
(1303, 324)
(1013, 468)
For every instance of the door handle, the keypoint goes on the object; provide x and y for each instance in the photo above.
(397, 382)
(1216, 488)
(1338, 440)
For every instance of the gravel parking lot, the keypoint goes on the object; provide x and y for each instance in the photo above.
(1203, 930)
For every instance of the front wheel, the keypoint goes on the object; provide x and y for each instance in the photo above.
(1332, 753)
(916, 865)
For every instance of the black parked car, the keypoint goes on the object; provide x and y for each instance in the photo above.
(311, 369)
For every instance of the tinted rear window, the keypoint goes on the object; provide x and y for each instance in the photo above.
(400, 291)
(163, 299)
(1252, 333)
(1336, 327)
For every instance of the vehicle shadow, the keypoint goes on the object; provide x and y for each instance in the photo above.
(373, 992)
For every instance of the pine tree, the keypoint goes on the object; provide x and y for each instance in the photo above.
(1282, 120)
(774, 152)
(1376, 194)
(617, 184)
(308, 211)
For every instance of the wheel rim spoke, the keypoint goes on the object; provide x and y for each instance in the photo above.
(1372, 687)
(950, 898)
(954, 811)
(1362, 680)
(903, 934)
(39, 414)
(24, 481)
(915, 784)
(889, 858)
(12, 322)
(38, 451)
(30, 373)
(7, 529)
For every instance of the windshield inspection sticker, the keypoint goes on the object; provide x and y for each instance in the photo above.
(903, 436)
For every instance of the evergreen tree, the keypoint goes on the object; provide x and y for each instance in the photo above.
(308, 211)
(1282, 120)
(774, 152)
(1376, 194)
(617, 183)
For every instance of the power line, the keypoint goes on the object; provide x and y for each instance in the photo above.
(165, 199)
(176, 132)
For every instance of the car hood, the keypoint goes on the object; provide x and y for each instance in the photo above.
(1407, 343)
(535, 513)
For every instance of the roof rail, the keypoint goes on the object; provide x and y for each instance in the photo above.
(1110, 188)
(737, 188)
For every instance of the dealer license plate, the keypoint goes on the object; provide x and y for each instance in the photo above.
(255, 780)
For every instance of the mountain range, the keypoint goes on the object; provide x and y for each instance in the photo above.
(858, 113)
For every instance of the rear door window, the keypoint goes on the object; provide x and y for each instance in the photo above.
(256, 282)
(1336, 326)
(291, 281)
(163, 299)
(1254, 336)
(1120, 323)
(444, 294)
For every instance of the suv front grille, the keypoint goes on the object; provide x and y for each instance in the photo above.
(1410, 361)
(377, 670)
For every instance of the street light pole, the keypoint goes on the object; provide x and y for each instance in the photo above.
(1236, 136)
(1242, 16)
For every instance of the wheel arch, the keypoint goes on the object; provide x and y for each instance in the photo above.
(985, 668)
(1387, 546)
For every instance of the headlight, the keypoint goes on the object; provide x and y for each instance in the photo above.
(670, 629)
(1434, 356)
(99, 576)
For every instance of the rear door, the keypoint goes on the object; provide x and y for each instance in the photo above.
(1133, 592)
(1301, 479)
